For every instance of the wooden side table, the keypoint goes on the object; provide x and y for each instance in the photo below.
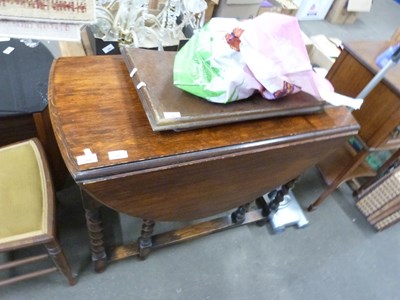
(379, 115)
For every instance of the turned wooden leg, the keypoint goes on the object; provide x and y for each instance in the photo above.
(55, 252)
(95, 232)
(276, 196)
(144, 241)
(263, 205)
(328, 190)
(343, 175)
(239, 215)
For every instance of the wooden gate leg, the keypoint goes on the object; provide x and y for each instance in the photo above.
(95, 232)
(239, 215)
(55, 252)
(144, 241)
(277, 197)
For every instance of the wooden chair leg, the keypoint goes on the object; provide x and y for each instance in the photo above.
(323, 196)
(56, 253)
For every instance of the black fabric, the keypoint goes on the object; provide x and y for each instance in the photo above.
(24, 77)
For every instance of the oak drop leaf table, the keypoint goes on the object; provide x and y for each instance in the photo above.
(172, 176)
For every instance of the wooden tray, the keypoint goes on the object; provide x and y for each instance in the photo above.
(169, 108)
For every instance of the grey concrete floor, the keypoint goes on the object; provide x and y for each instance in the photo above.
(337, 256)
(378, 24)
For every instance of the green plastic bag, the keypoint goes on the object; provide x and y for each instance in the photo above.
(209, 68)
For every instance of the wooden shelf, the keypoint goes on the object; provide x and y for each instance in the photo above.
(392, 143)
(342, 157)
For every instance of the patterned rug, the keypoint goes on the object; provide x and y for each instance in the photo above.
(73, 11)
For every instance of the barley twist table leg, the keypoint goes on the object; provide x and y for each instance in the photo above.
(95, 232)
(144, 241)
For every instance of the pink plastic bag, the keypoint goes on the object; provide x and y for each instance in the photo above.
(274, 51)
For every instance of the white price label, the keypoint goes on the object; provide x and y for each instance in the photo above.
(172, 114)
(117, 154)
(108, 48)
(8, 50)
(87, 158)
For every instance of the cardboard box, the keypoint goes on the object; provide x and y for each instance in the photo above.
(248, 9)
(286, 7)
(324, 52)
(210, 9)
(313, 9)
(338, 13)
(318, 57)
(328, 47)
(269, 6)
(359, 5)
(395, 39)
(242, 2)
(307, 42)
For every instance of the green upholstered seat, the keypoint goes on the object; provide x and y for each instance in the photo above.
(27, 210)
(23, 209)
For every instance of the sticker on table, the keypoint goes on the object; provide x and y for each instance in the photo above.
(108, 48)
(117, 154)
(133, 72)
(140, 85)
(172, 114)
(87, 158)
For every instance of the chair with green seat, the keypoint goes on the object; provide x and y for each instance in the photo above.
(27, 209)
